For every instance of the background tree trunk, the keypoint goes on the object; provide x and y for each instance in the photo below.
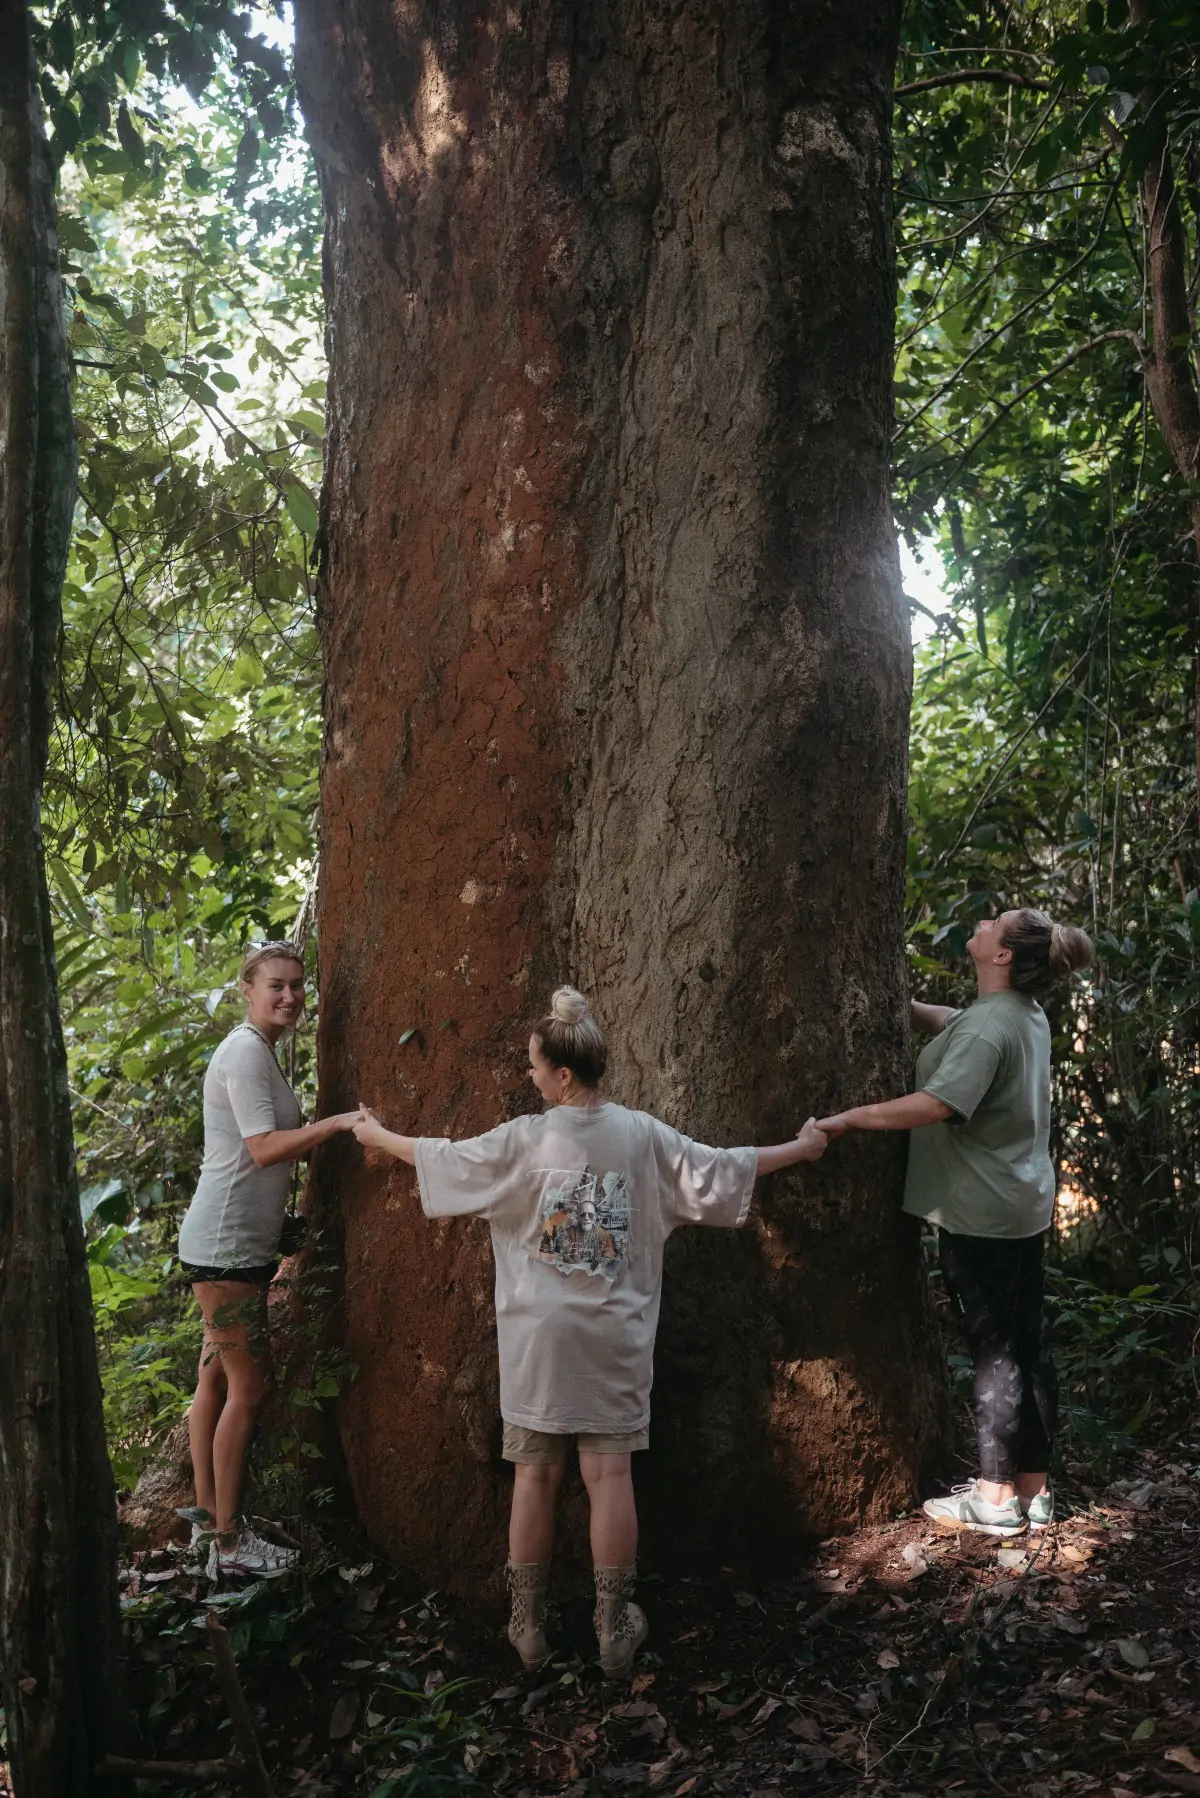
(618, 681)
(60, 1633)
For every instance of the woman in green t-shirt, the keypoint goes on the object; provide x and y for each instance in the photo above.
(979, 1168)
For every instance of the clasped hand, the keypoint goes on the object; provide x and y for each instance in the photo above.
(369, 1130)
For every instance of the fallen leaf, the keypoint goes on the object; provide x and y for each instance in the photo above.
(888, 1659)
(769, 1708)
(689, 1785)
(344, 1712)
(1069, 1552)
(916, 1560)
(1183, 1757)
(726, 1711)
(1132, 1653)
(711, 1685)
(661, 1771)
(1144, 1730)
(808, 1727)
(642, 1683)
(987, 1732)
(746, 1600)
(817, 1756)
(356, 1573)
(503, 1692)
(1012, 1560)
(638, 1707)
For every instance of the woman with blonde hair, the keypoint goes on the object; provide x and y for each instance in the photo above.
(979, 1168)
(581, 1200)
(229, 1241)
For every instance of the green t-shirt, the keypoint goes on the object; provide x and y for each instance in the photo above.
(986, 1171)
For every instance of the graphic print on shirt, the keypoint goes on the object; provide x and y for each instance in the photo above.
(584, 1222)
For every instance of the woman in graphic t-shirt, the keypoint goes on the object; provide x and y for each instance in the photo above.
(581, 1201)
(979, 1168)
(228, 1242)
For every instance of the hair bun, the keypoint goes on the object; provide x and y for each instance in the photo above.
(568, 1005)
(1070, 949)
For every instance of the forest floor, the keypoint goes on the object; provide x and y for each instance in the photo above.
(894, 1660)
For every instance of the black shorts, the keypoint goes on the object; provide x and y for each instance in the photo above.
(243, 1276)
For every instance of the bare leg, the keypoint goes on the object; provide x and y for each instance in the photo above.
(235, 1338)
(614, 1528)
(531, 1524)
(203, 1418)
(1031, 1485)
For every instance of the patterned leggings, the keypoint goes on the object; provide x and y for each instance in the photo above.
(997, 1285)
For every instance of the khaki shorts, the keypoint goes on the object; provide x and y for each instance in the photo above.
(539, 1448)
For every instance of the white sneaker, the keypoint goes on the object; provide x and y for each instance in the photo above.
(967, 1509)
(1039, 1511)
(252, 1556)
(202, 1526)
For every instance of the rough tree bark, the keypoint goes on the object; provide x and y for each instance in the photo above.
(618, 679)
(60, 1634)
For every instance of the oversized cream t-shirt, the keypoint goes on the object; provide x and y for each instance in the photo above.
(581, 1202)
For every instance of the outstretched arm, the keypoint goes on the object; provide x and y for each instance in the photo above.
(909, 1113)
(270, 1147)
(929, 1018)
(810, 1145)
(372, 1135)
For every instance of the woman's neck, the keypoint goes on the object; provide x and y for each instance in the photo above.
(272, 1032)
(992, 980)
(583, 1098)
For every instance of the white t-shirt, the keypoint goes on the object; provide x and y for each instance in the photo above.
(581, 1202)
(237, 1211)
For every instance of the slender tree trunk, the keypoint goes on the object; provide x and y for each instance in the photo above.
(1170, 373)
(618, 681)
(60, 1637)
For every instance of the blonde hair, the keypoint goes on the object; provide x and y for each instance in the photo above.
(571, 1038)
(1043, 953)
(255, 954)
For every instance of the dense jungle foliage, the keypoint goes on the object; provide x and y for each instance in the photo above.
(1054, 724)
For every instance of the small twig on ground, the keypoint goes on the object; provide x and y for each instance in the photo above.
(254, 1776)
(203, 1772)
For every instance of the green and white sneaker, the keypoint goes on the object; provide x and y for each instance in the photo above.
(1038, 1511)
(967, 1509)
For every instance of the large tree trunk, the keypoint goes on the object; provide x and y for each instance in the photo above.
(60, 1633)
(618, 681)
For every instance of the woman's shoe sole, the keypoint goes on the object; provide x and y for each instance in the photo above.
(977, 1529)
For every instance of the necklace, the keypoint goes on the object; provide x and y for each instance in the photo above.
(262, 1037)
(270, 1048)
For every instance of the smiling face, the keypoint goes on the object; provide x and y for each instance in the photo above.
(586, 1213)
(987, 947)
(274, 995)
